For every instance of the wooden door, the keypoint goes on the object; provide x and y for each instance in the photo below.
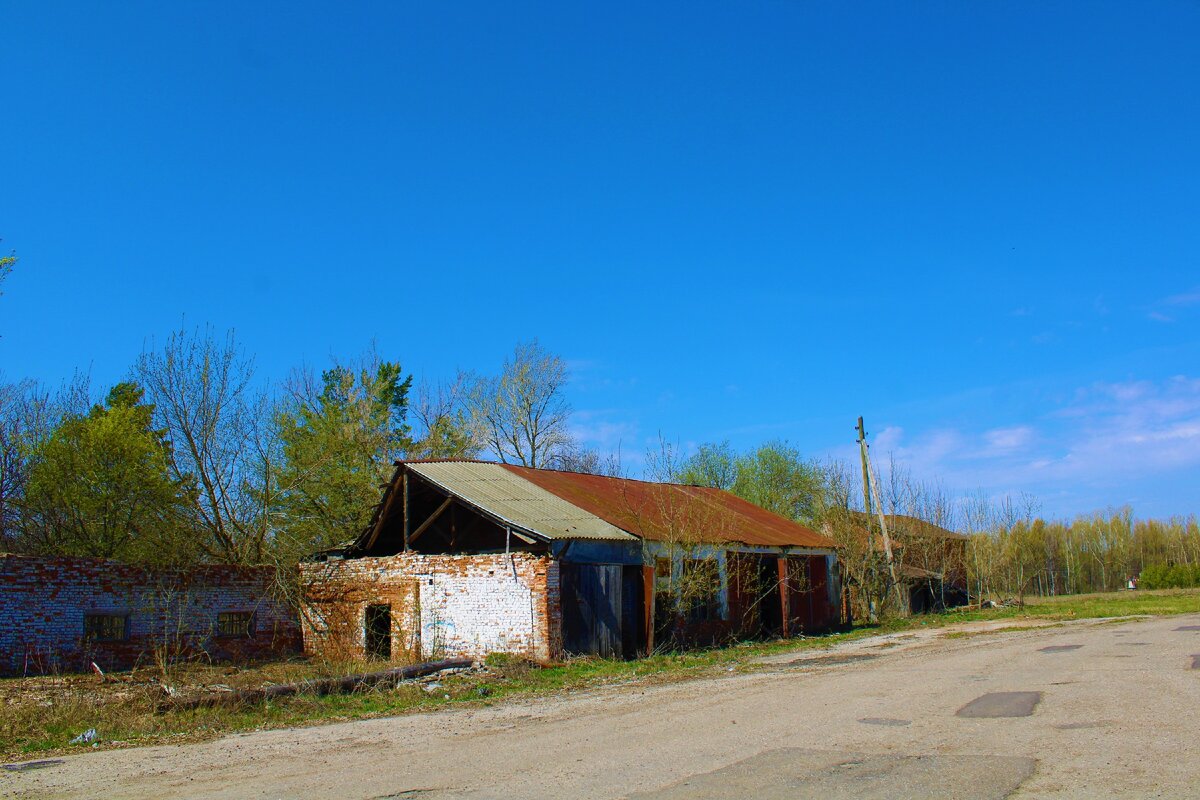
(592, 609)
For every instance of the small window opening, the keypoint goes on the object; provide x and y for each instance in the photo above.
(105, 627)
(235, 623)
(662, 573)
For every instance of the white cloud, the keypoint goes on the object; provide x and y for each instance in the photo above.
(1185, 299)
(1007, 440)
(603, 429)
(889, 439)
(1098, 444)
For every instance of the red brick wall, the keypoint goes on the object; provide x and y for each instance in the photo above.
(442, 605)
(171, 613)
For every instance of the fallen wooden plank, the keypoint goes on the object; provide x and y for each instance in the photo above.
(318, 687)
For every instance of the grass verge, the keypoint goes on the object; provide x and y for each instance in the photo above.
(39, 716)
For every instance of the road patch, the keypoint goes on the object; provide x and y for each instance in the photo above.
(25, 766)
(1001, 704)
(1059, 648)
(892, 723)
(800, 774)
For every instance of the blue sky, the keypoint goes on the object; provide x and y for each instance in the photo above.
(973, 223)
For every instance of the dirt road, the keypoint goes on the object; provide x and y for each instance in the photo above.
(1082, 710)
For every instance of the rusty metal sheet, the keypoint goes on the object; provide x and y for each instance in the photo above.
(671, 512)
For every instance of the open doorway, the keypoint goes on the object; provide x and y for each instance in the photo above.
(770, 606)
(377, 630)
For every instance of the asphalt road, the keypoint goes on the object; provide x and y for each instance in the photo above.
(1082, 710)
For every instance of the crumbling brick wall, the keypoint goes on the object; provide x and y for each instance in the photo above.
(169, 613)
(441, 605)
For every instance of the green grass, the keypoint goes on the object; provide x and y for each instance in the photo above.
(1117, 604)
(38, 716)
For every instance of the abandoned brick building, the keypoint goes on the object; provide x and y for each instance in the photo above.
(930, 561)
(933, 563)
(64, 613)
(468, 558)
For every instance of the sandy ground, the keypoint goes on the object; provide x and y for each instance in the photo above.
(1112, 711)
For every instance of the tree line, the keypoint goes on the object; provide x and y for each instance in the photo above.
(190, 458)
(1011, 550)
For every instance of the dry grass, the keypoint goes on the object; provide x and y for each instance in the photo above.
(44, 713)
(39, 716)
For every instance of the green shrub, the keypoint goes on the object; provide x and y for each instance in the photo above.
(1161, 576)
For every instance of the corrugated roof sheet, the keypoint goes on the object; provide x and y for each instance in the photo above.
(517, 501)
(915, 526)
(665, 511)
(901, 525)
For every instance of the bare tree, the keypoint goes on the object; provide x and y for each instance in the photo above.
(978, 516)
(28, 415)
(199, 384)
(521, 414)
(685, 531)
(443, 425)
(860, 554)
(24, 413)
(574, 457)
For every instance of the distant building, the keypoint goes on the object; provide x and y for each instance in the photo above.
(931, 560)
(64, 613)
(469, 558)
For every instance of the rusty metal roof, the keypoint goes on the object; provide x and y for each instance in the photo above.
(517, 501)
(902, 525)
(671, 512)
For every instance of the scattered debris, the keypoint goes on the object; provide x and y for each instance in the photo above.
(87, 737)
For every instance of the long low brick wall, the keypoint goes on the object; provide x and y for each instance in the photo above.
(167, 613)
(438, 605)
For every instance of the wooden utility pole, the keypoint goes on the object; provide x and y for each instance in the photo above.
(870, 487)
(862, 452)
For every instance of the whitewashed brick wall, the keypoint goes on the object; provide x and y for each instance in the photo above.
(459, 605)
